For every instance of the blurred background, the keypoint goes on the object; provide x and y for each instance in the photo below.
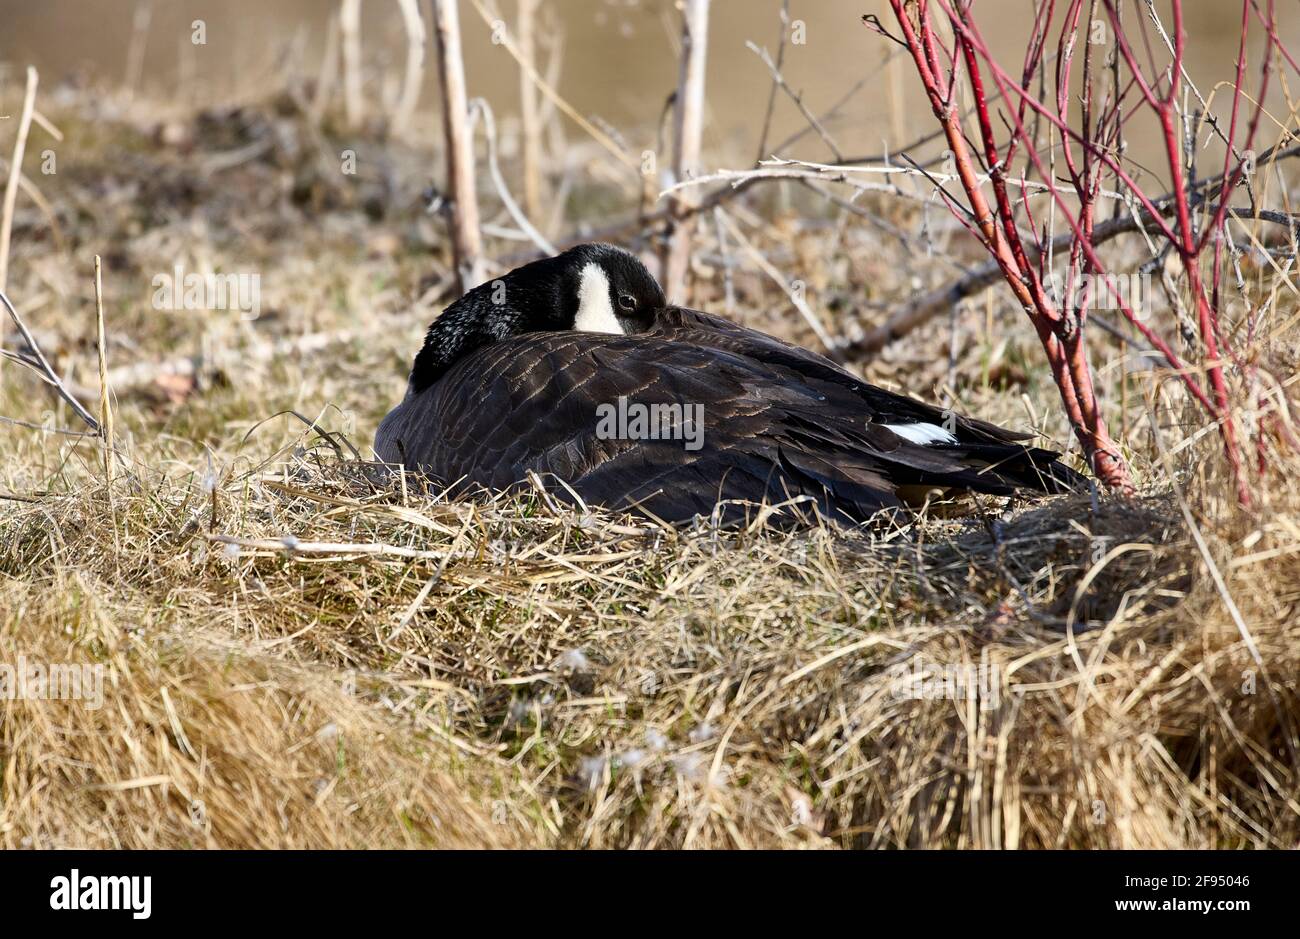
(618, 58)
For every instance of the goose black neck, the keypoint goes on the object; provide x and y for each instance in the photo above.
(539, 296)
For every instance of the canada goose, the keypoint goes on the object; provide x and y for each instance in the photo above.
(574, 367)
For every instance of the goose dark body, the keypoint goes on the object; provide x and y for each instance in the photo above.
(505, 385)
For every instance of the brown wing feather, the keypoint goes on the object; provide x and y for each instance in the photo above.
(779, 422)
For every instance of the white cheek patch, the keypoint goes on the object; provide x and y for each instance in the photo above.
(595, 312)
(922, 434)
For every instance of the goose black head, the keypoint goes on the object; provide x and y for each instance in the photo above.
(593, 287)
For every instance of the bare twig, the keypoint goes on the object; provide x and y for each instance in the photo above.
(531, 126)
(327, 75)
(922, 309)
(414, 75)
(548, 89)
(778, 81)
(15, 174)
(466, 238)
(48, 372)
(480, 106)
(140, 19)
(688, 126)
(61, 431)
(350, 28)
(105, 402)
(291, 545)
(142, 374)
(771, 95)
(812, 319)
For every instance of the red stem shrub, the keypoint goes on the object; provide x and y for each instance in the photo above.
(1041, 116)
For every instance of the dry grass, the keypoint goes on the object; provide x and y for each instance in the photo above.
(514, 674)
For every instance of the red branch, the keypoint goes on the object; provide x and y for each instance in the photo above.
(1089, 139)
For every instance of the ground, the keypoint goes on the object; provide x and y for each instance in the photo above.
(299, 655)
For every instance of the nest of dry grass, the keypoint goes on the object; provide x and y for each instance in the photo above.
(510, 673)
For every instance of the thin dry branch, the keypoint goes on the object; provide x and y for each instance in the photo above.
(140, 19)
(327, 75)
(350, 28)
(414, 74)
(43, 364)
(547, 88)
(479, 106)
(688, 128)
(15, 174)
(105, 399)
(530, 120)
(467, 244)
(920, 310)
(778, 81)
(771, 95)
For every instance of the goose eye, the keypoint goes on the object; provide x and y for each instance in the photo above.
(626, 303)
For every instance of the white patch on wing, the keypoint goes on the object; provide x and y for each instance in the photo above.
(595, 312)
(923, 434)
